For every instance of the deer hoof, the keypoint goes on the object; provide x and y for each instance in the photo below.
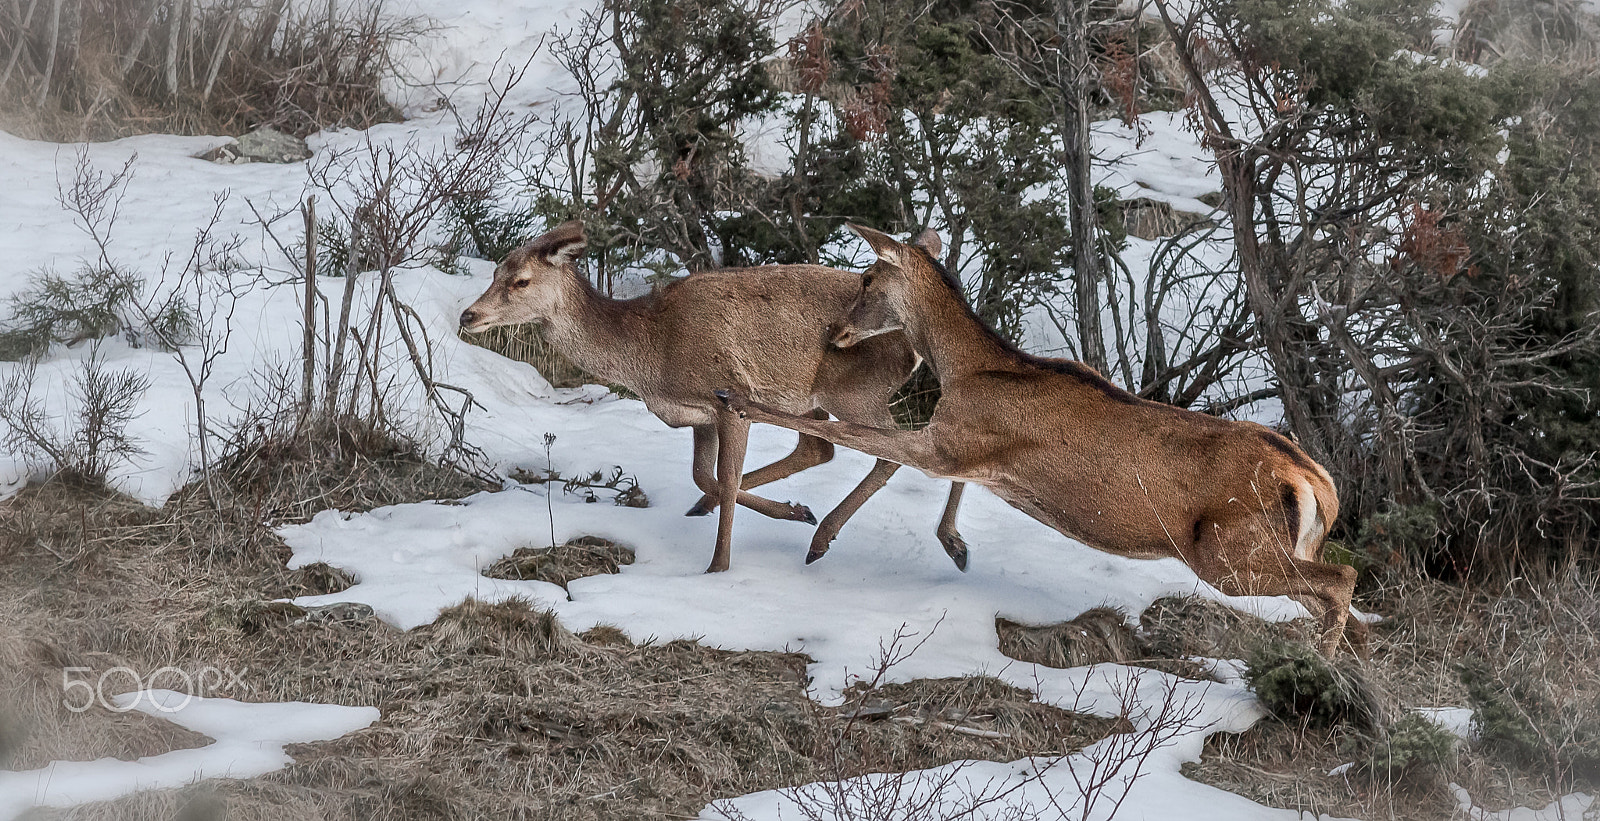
(717, 567)
(702, 508)
(801, 513)
(816, 553)
(957, 548)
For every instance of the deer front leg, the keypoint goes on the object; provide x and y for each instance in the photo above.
(906, 447)
(808, 453)
(703, 468)
(733, 436)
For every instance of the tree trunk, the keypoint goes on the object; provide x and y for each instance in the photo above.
(50, 56)
(1073, 78)
(308, 350)
(175, 15)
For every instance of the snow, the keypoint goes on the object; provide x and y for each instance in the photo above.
(248, 741)
(1160, 161)
(1454, 720)
(886, 568)
(1572, 807)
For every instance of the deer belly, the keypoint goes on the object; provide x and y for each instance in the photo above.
(1100, 526)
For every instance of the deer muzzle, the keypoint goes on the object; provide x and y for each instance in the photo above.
(472, 321)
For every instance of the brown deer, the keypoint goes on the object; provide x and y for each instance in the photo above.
(762, 330)
(1241, 505)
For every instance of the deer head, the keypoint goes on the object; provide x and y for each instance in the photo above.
(527, 284)
(885, 288)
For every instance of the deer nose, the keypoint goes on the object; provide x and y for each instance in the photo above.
(469, 318)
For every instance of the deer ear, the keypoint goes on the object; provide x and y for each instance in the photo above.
(559, 245)
(928, 241)
(882, 244)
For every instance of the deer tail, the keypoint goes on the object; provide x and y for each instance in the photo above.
(1318, 505)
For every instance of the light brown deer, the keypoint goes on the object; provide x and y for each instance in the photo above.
(762, 330)
(1241, 505)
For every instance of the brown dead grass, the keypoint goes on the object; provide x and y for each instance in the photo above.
(1547, 634)
(493, 711)
(1170, 634)
(307, 73)
(580, 557)
(526, 343)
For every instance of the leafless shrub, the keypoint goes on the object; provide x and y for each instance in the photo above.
(190, 309)
(392, 196)
(94, 69)
(95, 440)
(1104, 774)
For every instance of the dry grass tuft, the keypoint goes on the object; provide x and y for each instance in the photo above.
(1180, 626)
(1171, 632)
(319, 579)
(292, 472)
(526, 343)
(579, 557)
(1536, 651)
(1098, 635)
(606, 635)
(965, 713)
(509, 628)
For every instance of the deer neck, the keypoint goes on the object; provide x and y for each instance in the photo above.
(605, 337)
(944, 331)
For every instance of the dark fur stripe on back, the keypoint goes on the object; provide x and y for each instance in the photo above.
(1066, 367)
(1281, 443)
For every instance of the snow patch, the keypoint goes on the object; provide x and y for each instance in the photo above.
(249, 741)
(1567, 808)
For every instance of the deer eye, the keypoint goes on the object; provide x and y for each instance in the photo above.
(866, 281)
(520, 283)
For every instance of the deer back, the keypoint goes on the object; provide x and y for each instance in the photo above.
(766, 331)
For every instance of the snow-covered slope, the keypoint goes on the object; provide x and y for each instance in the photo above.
(886, 574)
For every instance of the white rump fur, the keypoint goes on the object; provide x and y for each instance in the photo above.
(1306, 500)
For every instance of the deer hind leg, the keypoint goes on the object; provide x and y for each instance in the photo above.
(948, 535)
(733, 437)
(707, 446)
(906, 447)
(829, 529)
(1251, 568)
(809, 452)
(861, 406)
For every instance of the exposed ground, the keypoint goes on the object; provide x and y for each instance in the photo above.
(492, 711)
(499, 711)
